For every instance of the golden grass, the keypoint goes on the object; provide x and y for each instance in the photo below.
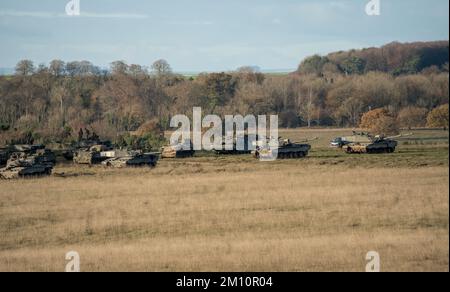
(224, 214)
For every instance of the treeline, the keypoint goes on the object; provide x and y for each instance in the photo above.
(52, 102)
(394, 58)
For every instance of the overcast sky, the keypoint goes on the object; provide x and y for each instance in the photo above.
(209, 35)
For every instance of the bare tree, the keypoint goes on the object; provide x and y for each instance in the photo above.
(57, 67)
(24, 68)
(161, 68)
(119, 68)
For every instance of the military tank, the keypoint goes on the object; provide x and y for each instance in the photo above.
(23, 165)
(69, 152)
(45, 155)
(178, 151)
(120, 159)
(367, 143)
(91, 155)
(283, 149)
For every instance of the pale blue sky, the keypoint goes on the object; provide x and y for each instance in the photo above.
(209, 35)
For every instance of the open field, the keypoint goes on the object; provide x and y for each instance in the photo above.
(234, 213)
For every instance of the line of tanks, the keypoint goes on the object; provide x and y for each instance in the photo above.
(36, 160)
(102, 152)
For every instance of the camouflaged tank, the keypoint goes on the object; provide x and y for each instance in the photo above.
(366, 143)
(121, 159)
(284, 149)
(178, 151)
(23, 165)
(84, 145)
(91, 155)
(45, 155)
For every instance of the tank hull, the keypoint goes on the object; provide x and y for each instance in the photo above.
(292, 151)
(142, 160)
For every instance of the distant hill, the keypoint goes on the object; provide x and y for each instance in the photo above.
(395, 58)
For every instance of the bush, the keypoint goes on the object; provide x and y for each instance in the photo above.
(379, 122)
(438, 118)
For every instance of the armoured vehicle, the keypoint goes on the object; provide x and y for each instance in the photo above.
(367, 143)
(120, 159)
(178, 151)
(23, 165)
(84, 156)
(85, 145)
(356, 137)
(91, 155)
(285, 150)
(39, 150)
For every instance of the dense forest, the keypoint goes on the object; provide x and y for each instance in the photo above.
(50, 103)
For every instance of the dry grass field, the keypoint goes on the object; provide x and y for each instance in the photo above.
(233, 213)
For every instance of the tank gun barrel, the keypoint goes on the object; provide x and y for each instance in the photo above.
(400, 136)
